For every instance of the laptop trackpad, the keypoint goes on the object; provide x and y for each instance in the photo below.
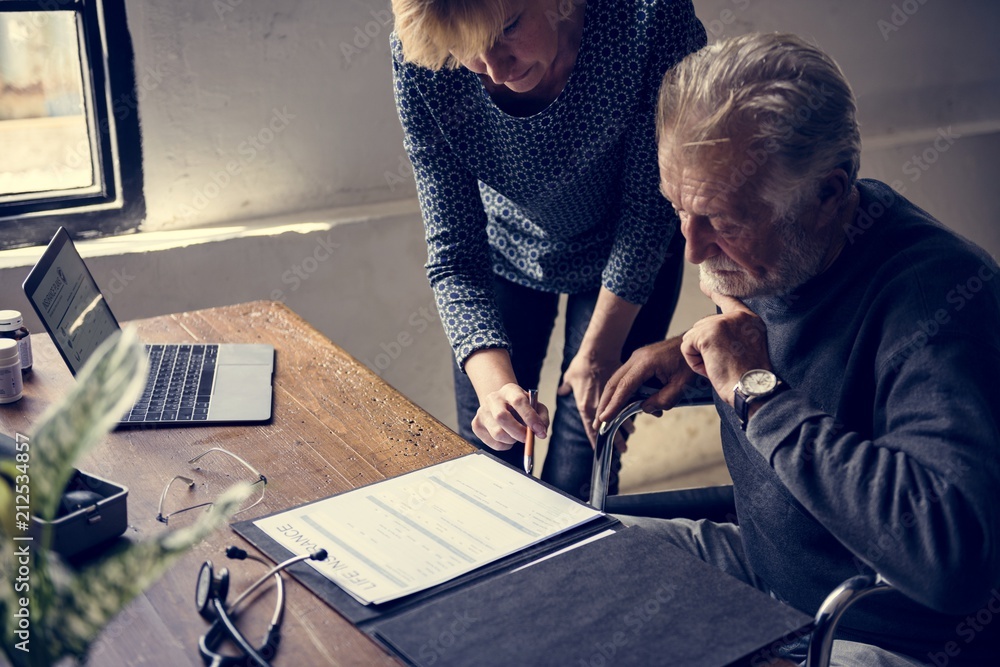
(241, 393)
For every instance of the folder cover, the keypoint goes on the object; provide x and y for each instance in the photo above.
(628, 599)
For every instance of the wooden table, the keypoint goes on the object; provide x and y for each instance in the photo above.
(336, 426)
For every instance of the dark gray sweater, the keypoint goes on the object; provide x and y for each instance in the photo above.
(885, 453)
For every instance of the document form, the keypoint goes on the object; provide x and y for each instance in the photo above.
(411, 532)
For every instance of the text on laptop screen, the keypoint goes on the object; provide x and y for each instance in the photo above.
(74, 310)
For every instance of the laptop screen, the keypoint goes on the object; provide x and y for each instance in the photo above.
(68, 301)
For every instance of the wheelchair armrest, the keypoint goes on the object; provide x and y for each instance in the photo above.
(714, 503)
(604, 449)
(836, 603)
(600, 476)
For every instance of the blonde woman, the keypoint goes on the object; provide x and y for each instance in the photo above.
(531, 129)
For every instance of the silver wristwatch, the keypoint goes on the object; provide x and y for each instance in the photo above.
(753, 386)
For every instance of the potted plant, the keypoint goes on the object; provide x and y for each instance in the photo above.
(48, 609)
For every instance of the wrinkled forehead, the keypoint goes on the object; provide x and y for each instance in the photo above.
(679, 161)
(699, 191)
(706, 179)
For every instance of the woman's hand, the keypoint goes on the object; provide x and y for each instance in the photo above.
(585, 378)
(504, 408)
(502, 415)
(599, 356)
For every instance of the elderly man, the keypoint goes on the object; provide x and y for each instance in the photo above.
(855, 360)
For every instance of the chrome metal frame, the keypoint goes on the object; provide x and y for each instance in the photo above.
(827, 617)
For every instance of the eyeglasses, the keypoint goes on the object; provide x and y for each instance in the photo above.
(255, 500)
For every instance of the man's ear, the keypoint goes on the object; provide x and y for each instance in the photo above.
(833, 192)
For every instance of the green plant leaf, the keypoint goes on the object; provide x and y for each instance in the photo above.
(8, 473)
(7, 515)
(7, 565)
(84, 602)
(105, 387)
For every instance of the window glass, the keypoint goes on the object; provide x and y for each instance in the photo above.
(46, 132)
(65, 159)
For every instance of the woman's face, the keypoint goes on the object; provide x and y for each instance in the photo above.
(523, 56)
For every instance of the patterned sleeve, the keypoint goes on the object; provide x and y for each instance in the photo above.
(647, 221)
(458, 257)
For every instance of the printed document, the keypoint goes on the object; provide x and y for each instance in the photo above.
(411, 532)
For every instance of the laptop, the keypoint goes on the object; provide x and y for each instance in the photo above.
(187, 384)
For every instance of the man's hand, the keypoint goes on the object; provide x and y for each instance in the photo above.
(495, 422)
(724, 347)
(585, 378)
(662, 361)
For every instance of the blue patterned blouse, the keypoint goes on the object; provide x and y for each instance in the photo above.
(561, 201)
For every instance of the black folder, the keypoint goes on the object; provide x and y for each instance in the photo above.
(630, 598)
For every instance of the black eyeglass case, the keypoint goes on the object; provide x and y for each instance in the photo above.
(92, 511)
(84, 520)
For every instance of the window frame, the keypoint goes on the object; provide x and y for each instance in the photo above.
(116, 204)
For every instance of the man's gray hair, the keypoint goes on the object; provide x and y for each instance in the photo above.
(772, 109)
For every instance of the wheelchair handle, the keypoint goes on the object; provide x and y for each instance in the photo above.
(600, 476)
(836, 603)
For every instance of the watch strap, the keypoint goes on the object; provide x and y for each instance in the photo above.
(742, 402)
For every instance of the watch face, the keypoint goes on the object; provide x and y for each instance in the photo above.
(757, 382)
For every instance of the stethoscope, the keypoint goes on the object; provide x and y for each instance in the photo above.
(210, 599)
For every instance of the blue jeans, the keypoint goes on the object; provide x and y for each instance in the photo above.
(529, 317)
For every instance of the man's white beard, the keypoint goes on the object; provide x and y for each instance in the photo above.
(801, 258)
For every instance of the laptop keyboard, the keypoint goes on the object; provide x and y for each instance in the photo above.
(179, 386)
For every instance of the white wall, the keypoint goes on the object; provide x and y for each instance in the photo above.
(295, 97)
(213, 74)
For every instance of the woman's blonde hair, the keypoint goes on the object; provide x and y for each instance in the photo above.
(773, 109)
(440, 33)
